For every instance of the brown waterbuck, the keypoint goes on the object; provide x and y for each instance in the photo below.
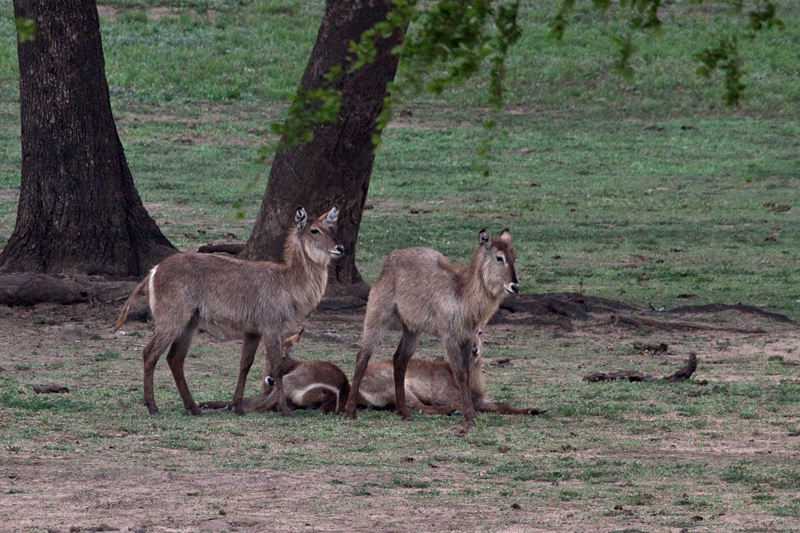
(428, 294)
(258, 299)
(431, 387)
(316, 385)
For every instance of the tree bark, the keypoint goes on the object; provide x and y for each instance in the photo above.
(334, 168)
(79, 212)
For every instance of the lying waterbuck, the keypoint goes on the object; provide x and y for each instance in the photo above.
(316, 385)
(431, 387)
(259, 299)
(428, 294)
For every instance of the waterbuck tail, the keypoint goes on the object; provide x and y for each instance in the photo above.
(141, 288)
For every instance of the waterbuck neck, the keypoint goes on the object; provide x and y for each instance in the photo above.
(479, 301)
(307, 276)
(477, 383)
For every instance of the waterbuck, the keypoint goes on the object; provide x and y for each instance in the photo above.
(428, 294)
(431, 387)
(316, 385)
(259, 299)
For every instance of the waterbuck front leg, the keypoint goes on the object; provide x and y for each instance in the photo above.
(176, 358)
(406, 348)
(459, 354)
(249, 347)
(272, 343)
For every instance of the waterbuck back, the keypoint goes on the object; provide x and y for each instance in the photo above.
(430, 295)
(259, 299)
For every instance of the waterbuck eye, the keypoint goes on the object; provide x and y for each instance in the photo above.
(500, 259)
(314, 231)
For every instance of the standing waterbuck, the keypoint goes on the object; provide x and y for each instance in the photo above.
(428, 294)
(318, 385)
(258, 299)
(431, 387)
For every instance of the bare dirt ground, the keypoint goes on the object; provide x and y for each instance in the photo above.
(64, 481)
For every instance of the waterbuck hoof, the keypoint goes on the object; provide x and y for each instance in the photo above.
(350, 414)
(537, 411)
(153, 410)
(195, 410)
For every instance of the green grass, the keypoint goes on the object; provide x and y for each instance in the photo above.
(604, 452)
(597, 203)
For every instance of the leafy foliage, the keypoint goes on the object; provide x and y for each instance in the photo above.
(643, 15)
(26, 28)
(451, 40)
(725, 57)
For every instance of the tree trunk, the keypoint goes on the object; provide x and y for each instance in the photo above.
(79, 212)
(334, 168)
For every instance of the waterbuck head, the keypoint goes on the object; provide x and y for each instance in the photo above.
(286, 361)
(318, 242)
(498, 262)
(478, 346)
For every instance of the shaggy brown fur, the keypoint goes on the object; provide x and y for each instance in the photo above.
(431, 387)
(428, 294)
(258, 299)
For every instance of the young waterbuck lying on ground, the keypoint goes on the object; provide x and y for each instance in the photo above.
(431, 387)
(428, 294)
(259, 299)
(306, 384)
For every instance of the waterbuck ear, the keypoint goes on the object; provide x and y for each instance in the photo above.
(291, 341)
(505, 236)
(484, 239)
(300, 217)
(333, 216)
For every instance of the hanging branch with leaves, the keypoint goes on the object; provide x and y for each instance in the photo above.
(643, 15)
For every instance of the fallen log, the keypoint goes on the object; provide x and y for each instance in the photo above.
(682, 374)
(49, 388)
(640, 322)
(25, 288)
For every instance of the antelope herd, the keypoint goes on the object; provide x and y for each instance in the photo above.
(263, 301)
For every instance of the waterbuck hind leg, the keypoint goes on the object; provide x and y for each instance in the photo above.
(362, 359)
(150, 356)
(263, 402)
(484, 406)
(406, 348)
(249, 347)
(459, 353)
(380, 308)
(430, 409)
(329, 403)
(176, 358)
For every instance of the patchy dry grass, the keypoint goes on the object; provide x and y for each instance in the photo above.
(719, 451)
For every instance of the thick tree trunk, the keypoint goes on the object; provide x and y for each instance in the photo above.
(335, 167)
(79, 212)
